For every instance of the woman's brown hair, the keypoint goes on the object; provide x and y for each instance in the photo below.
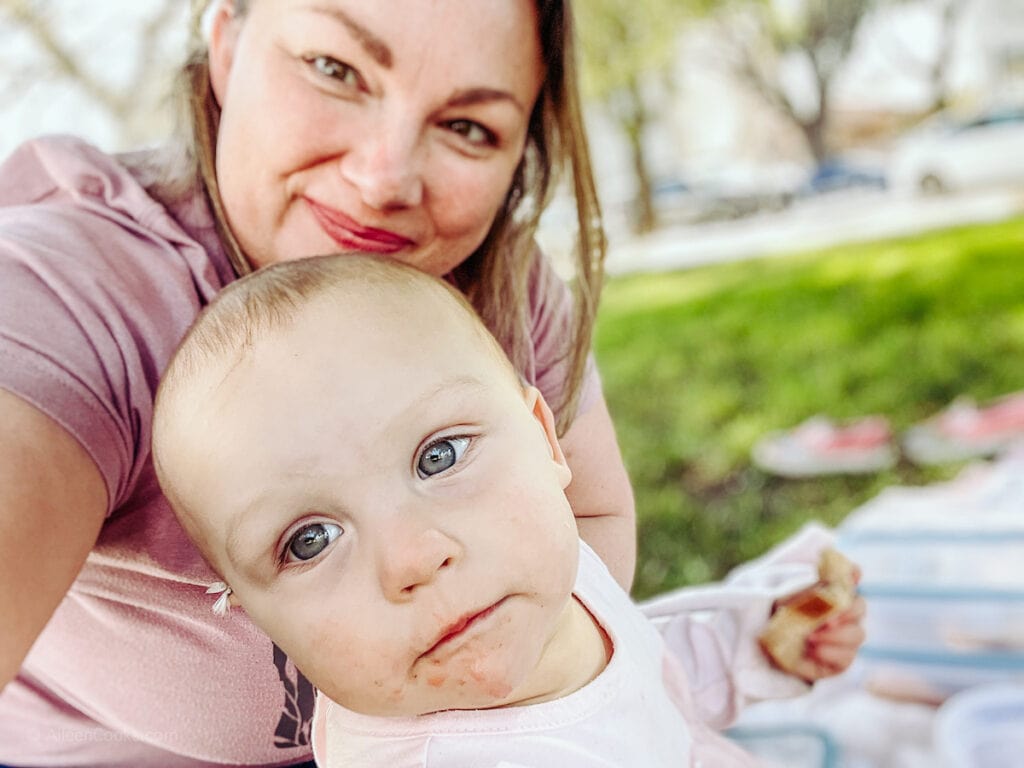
(495, 277)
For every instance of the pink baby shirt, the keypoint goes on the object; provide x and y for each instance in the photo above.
(681, 668)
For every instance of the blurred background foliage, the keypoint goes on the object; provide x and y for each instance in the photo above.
(789, 64)
(698, 364)
(623, 45)
(628, 48)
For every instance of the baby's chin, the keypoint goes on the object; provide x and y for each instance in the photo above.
(482, 682)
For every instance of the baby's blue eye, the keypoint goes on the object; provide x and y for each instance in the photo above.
(441, 455)
(309, 541)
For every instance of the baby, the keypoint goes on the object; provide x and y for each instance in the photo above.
(355, 456)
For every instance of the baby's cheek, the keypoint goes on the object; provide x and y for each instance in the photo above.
(331, 639)
(340, 662)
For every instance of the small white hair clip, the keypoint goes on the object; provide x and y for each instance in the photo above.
(224, 591)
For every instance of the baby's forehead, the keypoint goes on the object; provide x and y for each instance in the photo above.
(394, 299)
(400, 322)
(428, 314)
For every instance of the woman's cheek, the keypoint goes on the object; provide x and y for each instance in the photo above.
(473, 199)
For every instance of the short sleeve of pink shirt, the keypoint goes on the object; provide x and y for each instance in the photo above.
(98, 282)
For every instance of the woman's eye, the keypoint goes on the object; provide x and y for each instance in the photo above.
(441, 455)
(336, 70)
(472, 132)
(310, 540)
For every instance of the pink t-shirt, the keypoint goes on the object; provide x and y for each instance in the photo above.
(98, 283)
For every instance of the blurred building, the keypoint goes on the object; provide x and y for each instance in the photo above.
(1000, 40)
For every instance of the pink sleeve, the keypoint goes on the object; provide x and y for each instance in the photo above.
(97, 285)
(551, 329)
(711, 631)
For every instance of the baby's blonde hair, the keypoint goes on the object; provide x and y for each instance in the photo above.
(270, 300)
(274, 296)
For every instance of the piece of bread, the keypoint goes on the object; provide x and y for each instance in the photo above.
(785, 637)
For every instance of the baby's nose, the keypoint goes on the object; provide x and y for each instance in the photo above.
(412, 559)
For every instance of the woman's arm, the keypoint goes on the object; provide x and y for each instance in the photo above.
(600, 493)
(52, 504)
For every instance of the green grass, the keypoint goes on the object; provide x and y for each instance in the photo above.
(698, 364)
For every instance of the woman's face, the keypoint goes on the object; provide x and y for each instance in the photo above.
(392, 127)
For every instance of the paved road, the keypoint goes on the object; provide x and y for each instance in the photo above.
(811, 223)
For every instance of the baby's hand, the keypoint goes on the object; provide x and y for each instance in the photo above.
(831, 648)
(816, 632)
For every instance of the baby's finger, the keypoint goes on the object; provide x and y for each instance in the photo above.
(850, 635)
(832, 656)
(854, 613)
(810, 669)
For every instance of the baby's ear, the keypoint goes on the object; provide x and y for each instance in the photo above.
(546, 419)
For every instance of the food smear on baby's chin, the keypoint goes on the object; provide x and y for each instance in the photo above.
(497, 689)
(469, 658)
(436, 681)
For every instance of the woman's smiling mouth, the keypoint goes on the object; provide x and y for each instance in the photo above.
(352, 236)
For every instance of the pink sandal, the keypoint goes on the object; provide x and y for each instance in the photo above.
(966, 431)
(820, 447)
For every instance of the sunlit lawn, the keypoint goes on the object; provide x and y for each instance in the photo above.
(698, 364)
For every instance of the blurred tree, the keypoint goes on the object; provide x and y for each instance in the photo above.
(130, 88)
(768, 40)
(627, 48)
(932, 66)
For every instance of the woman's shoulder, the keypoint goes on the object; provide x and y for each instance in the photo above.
(59, 188)
(63, 166)
(98, 282)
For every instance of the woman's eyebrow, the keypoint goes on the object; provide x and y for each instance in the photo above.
(373, 45)
(473, 96)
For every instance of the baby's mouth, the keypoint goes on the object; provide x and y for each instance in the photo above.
(460, 627)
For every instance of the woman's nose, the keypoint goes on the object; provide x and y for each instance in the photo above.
(412, 557)
(384, 168)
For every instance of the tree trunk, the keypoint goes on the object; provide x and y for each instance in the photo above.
(814, 129)
(938, 72)
(635, 125)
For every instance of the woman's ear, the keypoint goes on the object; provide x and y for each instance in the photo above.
(225, 27)
(545, 418)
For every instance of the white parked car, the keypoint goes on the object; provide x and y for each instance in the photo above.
(944, 154)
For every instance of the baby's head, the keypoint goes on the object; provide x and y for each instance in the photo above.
(353, 453)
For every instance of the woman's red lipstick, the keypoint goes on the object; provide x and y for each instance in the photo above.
(352, 236)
